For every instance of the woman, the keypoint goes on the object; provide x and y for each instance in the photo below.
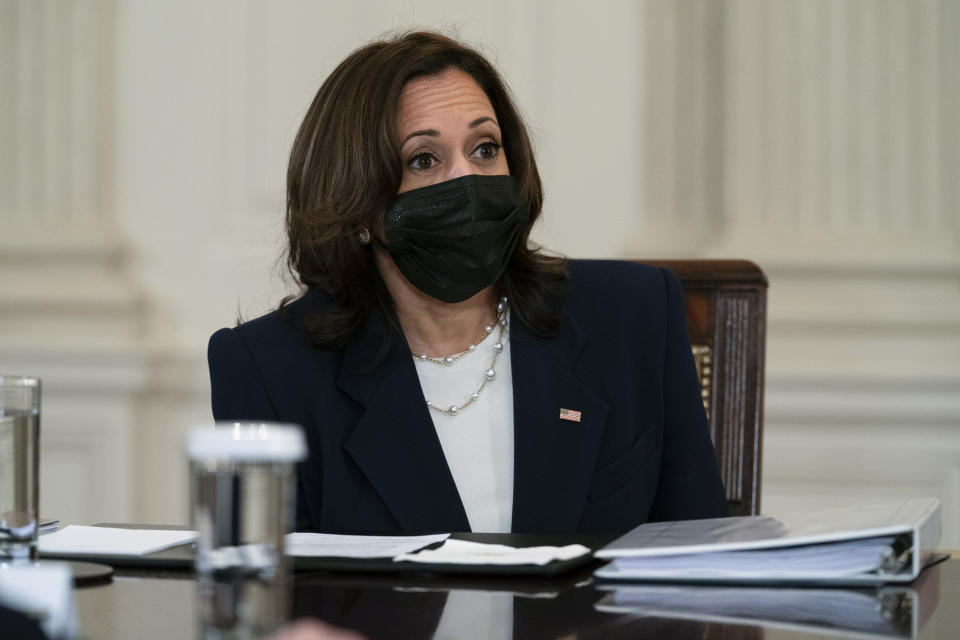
(450, 376)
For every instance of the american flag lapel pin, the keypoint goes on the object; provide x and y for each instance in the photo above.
(570, 415)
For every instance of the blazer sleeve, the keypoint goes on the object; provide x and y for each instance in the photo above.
(690, 485)
(237, 390)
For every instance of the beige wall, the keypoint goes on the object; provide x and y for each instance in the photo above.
(820, 139)
(141, 178)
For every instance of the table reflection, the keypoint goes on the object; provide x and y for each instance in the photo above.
(149, 605)
(435, 608)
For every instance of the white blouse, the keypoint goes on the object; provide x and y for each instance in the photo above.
(478, 441)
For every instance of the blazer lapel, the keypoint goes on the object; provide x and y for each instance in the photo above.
(395, 443)
(554, 458)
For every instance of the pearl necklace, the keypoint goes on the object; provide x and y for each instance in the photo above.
(488, 376)
(446, 361)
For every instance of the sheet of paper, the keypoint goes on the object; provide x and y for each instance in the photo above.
(107, 541)
(333, 545)
(466, 552)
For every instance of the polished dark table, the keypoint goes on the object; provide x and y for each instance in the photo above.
(161, 604)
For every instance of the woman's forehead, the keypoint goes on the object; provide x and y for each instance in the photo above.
(431, 101)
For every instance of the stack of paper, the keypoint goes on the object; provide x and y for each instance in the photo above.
(48, 525)
(77, 540)
(412, 549)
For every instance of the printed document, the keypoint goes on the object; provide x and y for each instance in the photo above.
(333, 545)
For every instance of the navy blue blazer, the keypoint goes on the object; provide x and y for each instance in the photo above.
(641, 451)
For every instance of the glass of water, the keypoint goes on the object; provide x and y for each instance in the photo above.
(19, 467)
(243, 479)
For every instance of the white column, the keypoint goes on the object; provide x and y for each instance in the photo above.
(67, 312)
(864, 342)
(682, 135)
(837, 167)
(769, 123)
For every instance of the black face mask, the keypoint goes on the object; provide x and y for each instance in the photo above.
(452, 239)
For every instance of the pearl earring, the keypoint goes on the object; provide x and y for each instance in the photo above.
(364, 236)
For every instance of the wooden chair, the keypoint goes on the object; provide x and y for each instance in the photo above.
(726, 318)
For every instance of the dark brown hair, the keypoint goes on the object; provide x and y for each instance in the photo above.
(345, 169)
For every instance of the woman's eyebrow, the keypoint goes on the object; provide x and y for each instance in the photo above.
(422, 132)
(481, 120)
(434, 133)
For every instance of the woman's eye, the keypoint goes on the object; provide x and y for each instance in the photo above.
(423, 162)
(487, 150)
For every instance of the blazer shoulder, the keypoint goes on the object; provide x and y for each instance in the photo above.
(264, 367)
(615, 282)
(281, 326)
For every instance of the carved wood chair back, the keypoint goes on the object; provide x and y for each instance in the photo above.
(726, 305)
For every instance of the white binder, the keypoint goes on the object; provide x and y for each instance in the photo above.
(851, 546)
